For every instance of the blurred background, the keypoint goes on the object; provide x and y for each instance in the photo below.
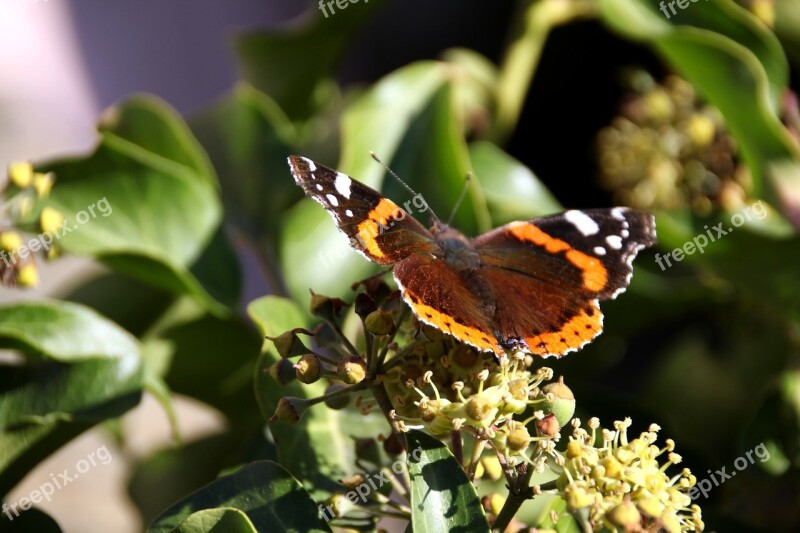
(708, 349)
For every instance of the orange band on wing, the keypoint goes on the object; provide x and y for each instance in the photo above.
(582, 328)
(595, 275)
(483, 340)
(380, 217)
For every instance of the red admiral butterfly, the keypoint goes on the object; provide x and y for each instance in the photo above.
(532, 285)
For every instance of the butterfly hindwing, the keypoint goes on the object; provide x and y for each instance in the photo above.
(377, 227)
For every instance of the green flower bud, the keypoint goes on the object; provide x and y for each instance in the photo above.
(282, 372)
(289, 409)
(563, 406)
(308, 368)
(352, 369)
(379, 323)
(479, 408)
(288, 344)
(519, 439)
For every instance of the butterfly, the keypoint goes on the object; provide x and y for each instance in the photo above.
(532, 285)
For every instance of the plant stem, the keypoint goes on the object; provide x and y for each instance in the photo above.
(517, 494)
(477, 450)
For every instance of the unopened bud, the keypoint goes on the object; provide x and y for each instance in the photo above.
(289, 409)
(379, 323)
(288, 344)
(519, 439)
(563, 405)
(308, 368)
(352, 369)
(282, 371)
(624, 514)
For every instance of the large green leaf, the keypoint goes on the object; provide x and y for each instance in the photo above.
(512, 191)
(78, 369)
(739, 67)
(270, 497)
(442, 498)
(248, 138)
(148, 200)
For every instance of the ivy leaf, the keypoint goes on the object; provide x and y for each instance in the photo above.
(442, 498)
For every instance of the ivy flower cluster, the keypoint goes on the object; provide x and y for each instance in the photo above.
(17, 199)
(512, 411)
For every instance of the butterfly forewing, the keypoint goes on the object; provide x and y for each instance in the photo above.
(377, 227)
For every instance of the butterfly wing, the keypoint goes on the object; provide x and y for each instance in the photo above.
(447, 300)
(547, 275)
(377, 227)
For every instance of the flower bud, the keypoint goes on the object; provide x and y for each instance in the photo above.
(43, 183)
(548, 426)
(479, 408)
(27, 275)
(352, 369)
(379, 323)
(21, 173)
(563, 406)
(10, 241)
(308, 368)
(325, 307)
(364, 305)
(50, 220)
(282, 372)
(289, 409)
(623, 515)
(288, 344)
(519, 439)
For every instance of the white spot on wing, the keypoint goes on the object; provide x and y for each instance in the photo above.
(342, 184)
(614, 241)
(319, 187)
(311, 166)
(333, 200)
(625, 233)
(599, 250)
(618, 213)
(349, 213)
(582, 222)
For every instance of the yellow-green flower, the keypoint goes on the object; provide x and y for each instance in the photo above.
(10, 241)
(621, 484)
(43, 183)
(27, 275)
(50, 220)
(21, 173)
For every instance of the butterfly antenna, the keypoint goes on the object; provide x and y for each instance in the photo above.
(460, 198)
(401, 182)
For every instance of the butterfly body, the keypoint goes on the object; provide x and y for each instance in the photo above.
(529, 285)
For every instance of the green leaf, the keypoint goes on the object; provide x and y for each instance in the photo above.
(220, 520)
(739, 67)
(289, 63)
(146, 203)
(320, 447)
(442, 498)
(512, 191)
(248, 138)
(78, 369)
(270, 497)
